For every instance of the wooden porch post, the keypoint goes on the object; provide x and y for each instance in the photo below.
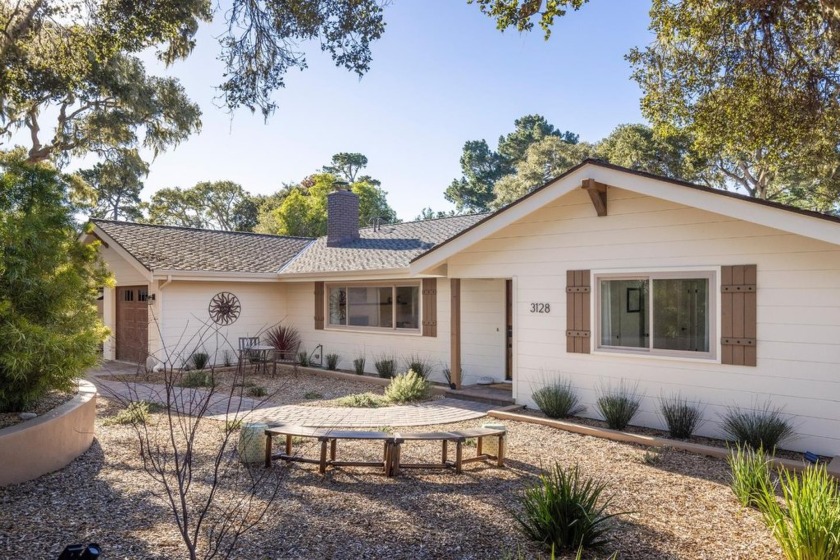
(455, 332)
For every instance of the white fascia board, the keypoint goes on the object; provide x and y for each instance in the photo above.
(353, 275)
(499, 221)
(210, 276)
(125, 255)
(746, 210)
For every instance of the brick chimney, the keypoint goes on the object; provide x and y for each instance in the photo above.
(342, 217)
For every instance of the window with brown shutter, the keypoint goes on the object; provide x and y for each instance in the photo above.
(319, 306)
(738, 314)
(429, 306)
(578, 294)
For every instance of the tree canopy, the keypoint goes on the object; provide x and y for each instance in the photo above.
(117, 183)
(482, 167)
(222, 205)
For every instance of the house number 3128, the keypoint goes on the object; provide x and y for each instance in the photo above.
(540, 308)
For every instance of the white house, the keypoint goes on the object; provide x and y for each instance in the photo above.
(601, 275)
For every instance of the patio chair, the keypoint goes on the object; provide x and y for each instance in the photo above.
(248, 353)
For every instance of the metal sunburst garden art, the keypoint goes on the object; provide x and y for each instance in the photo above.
(224, 308)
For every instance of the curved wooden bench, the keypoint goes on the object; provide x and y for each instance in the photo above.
(443, 437)
(480, 434)
(324, 437)
(385, 437)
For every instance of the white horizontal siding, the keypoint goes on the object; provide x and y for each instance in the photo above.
(181, 315)
(482, 313)
(798, 307)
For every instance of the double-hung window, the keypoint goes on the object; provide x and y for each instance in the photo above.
(374, 306)
(657, 313)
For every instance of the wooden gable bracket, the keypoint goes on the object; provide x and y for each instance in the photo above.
(598, 194)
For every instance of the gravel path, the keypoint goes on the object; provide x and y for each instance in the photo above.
(681, 506)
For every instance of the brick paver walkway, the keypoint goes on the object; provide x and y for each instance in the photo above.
(440, 411)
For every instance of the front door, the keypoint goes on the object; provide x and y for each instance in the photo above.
(509, 329)
(132, 336)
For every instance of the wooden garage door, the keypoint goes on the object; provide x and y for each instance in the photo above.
(132, 323)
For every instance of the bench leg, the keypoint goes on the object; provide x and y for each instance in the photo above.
(288, 445)
(267, 451)
(333, 444)
(322, 465)
(458, 456)
(500, 459)
(479, 447)
(395, 459)
(443, 453)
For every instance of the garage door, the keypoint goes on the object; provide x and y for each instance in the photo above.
(132, 323)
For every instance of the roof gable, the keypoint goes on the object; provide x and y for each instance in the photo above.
(793, 220)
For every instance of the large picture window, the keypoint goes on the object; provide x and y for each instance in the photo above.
(657, 313)
(374, 306)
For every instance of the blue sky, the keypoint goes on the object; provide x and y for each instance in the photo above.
(441, 75)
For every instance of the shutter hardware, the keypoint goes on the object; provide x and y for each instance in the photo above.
(737, 341)
(579, 334)
(577, 289)
(738, 288)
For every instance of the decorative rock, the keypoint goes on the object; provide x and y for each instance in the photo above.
(28, 415)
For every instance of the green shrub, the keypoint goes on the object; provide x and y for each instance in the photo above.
(750, 475)
(363, 400)
(618, 405)
(49, 282)
(681, 416)
(558, 399)
(303, 358)
(808, 527)
(408, 387)
(232, 425)
(386, 366)
(332, 361)
(419, 365)
(194, 379)
(135, 413)
(200, 360)
(359, 365)
(566, 511)
(257, 391)
(227, 358)
(313, 395)
(763, 427)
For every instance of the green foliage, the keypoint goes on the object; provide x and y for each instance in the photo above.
(233, 425)
(521, 14)
(227, 358)
(332, 361)
(408, 387)
(808, 526)
(49, 283)
(681, 416)
(761, 427)
(285, 339)
(482, 167)
(385, 366)
(313, 395)
(221, 205)
(303, 358)
(256, 391)
(754, 86)
(200, 360)
(558, 399)
(193, 379)
(117, 185)
(346, 166)
(363, 400)
(618, 404)
(359, 365)
(135, 413)
(750, 475)
(566, 510)
(419, 365)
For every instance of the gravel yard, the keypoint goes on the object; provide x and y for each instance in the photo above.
(682, 506)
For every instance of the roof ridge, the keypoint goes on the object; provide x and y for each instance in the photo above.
(429, 220)
(187, 228)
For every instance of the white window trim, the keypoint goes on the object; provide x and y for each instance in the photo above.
(711, 273)
(328, 286)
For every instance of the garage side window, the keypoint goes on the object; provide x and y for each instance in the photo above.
(657, 313)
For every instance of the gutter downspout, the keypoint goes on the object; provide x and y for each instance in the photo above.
(159, 319)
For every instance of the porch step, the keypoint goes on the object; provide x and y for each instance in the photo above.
(480, 394)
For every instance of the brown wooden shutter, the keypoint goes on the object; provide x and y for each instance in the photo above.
(429, 306)
(738, 314)
(578, 294)
(319, 306)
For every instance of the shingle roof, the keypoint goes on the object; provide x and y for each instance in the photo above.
(188, 249)
(390, 246)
